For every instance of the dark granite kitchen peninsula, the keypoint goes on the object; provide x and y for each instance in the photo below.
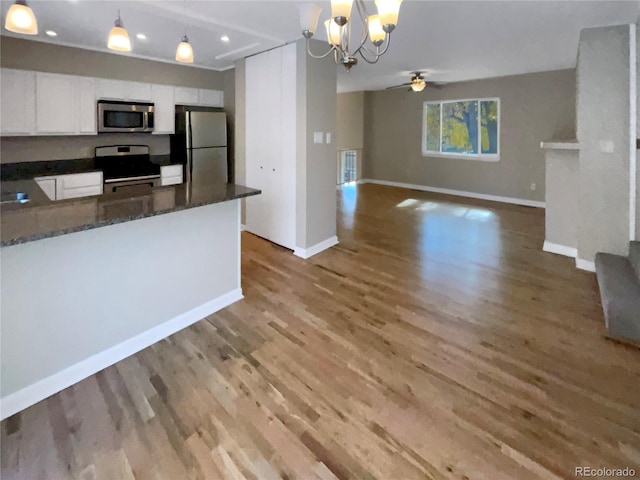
(111, 273)
(28, 214)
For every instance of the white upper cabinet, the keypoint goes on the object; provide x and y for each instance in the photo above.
(138, 92)
(112, 89)
(164, 108)
(87, 105)
(187, 96)
(121, 90)
(18, 102)
(56, 103)
(39, 103)
(211, 98)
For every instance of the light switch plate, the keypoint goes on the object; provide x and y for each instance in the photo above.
(328, 136)
(317, 137)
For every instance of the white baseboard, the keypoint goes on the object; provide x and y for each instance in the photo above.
(560, 249)
(585, 265)
(243, 227)
(317, 248)
(46, 387)
(459, 193)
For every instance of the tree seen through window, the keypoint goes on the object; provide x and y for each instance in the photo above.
(462, 127)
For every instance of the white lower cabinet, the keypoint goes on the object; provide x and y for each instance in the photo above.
(79, 185)
(75, 185)
(171, 175)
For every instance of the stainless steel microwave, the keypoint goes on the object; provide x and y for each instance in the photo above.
(125, 117)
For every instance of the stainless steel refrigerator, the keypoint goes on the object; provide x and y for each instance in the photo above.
(200, 142)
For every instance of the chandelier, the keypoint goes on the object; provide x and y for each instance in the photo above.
(376, 28)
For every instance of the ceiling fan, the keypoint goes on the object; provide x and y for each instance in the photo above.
(417, 83)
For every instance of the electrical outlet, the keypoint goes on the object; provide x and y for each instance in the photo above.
(533, 186)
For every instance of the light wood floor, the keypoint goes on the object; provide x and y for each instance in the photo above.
(436, 341)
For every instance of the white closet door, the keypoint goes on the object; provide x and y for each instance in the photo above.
(258, 132)
(272, 117)
(271, 147)
(286, 170)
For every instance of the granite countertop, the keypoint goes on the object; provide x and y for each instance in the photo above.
(44, 218)
(29, 170)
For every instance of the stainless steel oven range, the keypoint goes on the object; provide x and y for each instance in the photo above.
(126, 166)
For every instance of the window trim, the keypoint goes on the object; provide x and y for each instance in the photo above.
(483, 157)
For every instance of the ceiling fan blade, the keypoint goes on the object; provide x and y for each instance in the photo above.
(437, 85)
(398, 86)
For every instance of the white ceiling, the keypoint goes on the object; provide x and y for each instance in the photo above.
(451, 40)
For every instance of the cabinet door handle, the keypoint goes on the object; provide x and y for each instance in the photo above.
(260, 168)
(274, 169)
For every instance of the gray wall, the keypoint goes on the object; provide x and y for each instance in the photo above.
(603, 112)
(320, 86)
(44, 57)
(534, 107)
(562, 195)
(31, 149)
(350, 133)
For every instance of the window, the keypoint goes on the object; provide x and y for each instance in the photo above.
(462, 129)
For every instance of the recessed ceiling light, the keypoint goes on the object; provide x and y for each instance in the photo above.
(51, 33)
(224, 38)
(141, 36)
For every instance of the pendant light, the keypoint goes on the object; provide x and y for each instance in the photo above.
(184, 52)
(21, 19)
(118, 37)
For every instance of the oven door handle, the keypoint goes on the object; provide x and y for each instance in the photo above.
(151, 184)
(132, 179)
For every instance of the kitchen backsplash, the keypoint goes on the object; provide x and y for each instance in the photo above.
(33, 149)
